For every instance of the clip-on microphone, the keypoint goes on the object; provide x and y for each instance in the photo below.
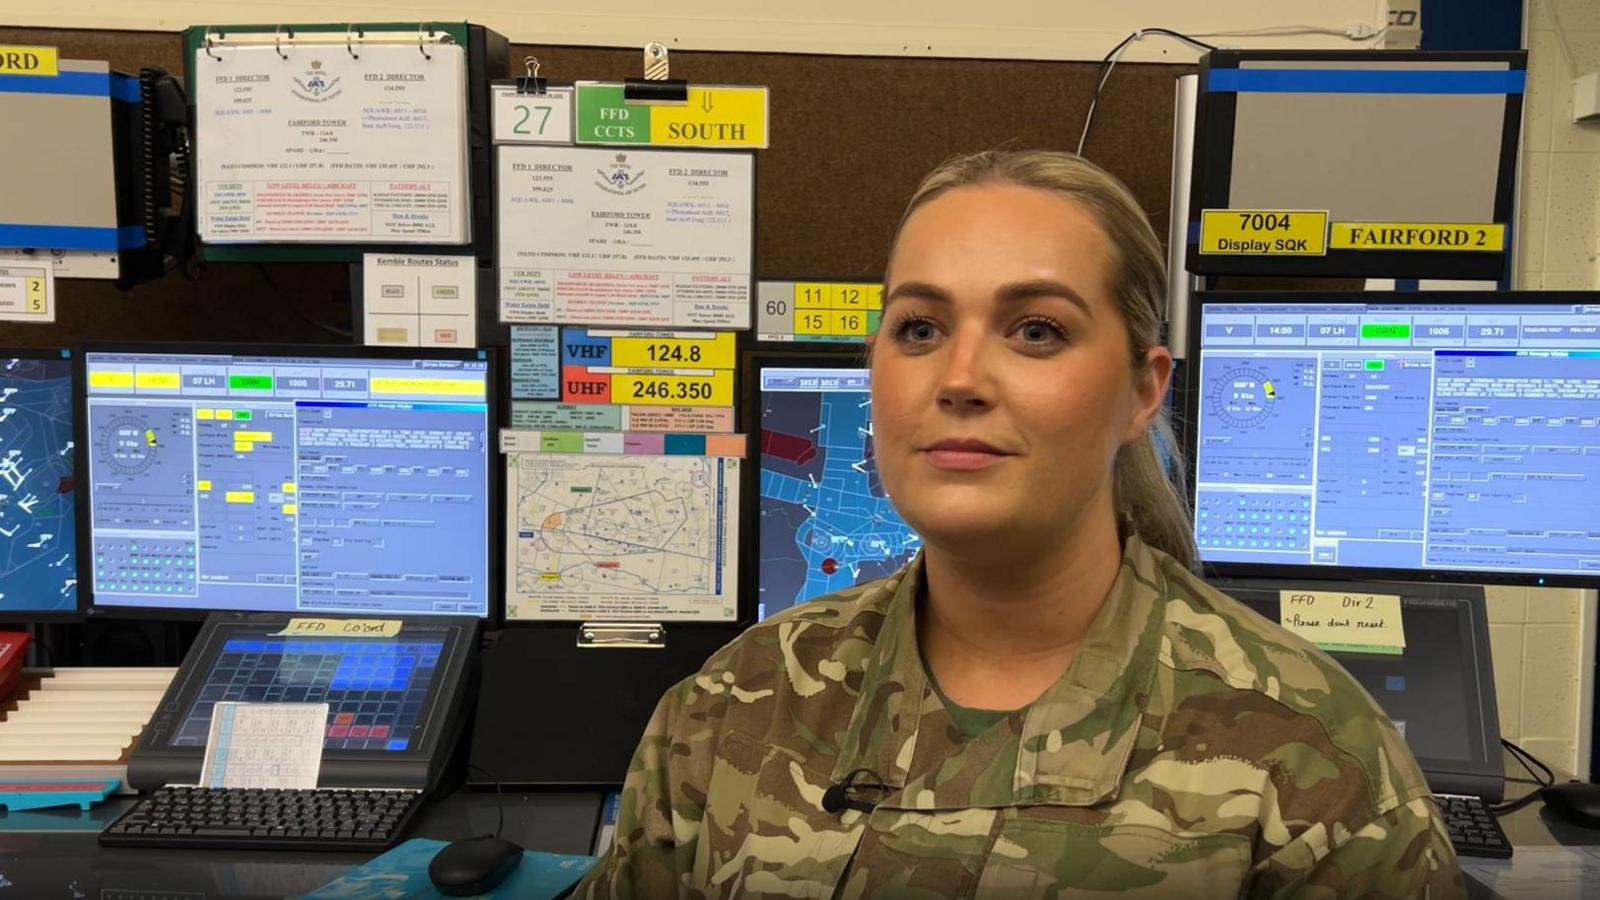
(837, 799)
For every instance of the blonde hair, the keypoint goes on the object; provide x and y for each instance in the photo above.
(1149, 500)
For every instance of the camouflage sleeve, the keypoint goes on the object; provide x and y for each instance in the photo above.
(656, 818)
(1402, 854)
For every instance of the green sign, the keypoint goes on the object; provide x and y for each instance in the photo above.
(604, 118)
(250, 382)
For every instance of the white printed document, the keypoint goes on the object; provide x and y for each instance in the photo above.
(643, 238)
(264, 745)
(311, 143)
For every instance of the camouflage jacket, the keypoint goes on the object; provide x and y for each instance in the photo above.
(1191, 749)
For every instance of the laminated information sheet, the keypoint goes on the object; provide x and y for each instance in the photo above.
(640, 238)
(264, 745)
(633, 531)
(303, 143)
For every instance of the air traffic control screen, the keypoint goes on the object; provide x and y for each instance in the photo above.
(38, 554)
(289, 483)
(1434, 438)
(825, 522)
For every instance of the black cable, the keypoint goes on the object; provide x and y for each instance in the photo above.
(1529, 761)
(1525, 758)
(1102, 71)
(499, 798)
(48, 653)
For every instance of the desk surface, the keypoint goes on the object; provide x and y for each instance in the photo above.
(53, 853)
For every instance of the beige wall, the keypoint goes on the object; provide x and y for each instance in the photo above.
(1032, 29)
(1543, 639)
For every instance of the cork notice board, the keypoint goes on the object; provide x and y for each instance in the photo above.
(851, 136)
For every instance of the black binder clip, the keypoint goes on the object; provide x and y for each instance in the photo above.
(530, 82)
(655, 88)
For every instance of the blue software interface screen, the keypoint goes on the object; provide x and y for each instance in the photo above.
(1407, 436)
(825, 522)
(376, 688)
(289, 483)
(38, 562)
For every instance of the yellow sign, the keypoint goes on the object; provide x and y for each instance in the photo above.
(645, 389)
(713, 117)
(1424, 236)
(687, 350)
(811, 295)
(16, 60)
(379, 628)
(1264, 232)
(1335, 620)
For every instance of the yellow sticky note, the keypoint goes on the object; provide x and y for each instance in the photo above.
(290, 487)
(1344, 621)
(202, 486)
(379, 628)
(205, 415)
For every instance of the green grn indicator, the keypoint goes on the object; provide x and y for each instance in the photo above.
(242, 415)
(1381, 331)
(250, 382)
(1374, 365)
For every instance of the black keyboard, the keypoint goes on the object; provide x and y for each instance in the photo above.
(1474, 831)
(338, 819)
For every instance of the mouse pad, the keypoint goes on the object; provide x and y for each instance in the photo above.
(402, 874)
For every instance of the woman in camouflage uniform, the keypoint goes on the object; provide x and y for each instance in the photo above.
(1046, 701)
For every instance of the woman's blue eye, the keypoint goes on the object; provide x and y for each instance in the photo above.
(920, 331)
(1040, 331)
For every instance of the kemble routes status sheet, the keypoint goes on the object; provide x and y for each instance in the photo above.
(315, 144)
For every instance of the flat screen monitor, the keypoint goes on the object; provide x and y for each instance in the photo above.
(1438, 689)
(823, 520)
(289, 480)
(1432, 437)
(38, 523)
(393, 698)
(1415, 163)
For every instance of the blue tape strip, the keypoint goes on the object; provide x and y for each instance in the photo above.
(71, 237)
(77, 84)
(125, 88)
(1366, 81)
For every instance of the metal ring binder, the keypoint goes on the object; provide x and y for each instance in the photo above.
(209, 44)
(422, 45)
(277, 40)
(360, 36)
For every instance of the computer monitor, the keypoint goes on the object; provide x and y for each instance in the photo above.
(38, 523)
(823, 521)
(299, 479)
(1439, 690)
(1432, 437)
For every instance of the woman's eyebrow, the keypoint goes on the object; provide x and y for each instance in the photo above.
(1011, 292)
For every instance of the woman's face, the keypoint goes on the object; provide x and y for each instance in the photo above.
(1001, 381)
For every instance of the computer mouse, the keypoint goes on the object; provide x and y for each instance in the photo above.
(473, 866)
(1577, 802)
